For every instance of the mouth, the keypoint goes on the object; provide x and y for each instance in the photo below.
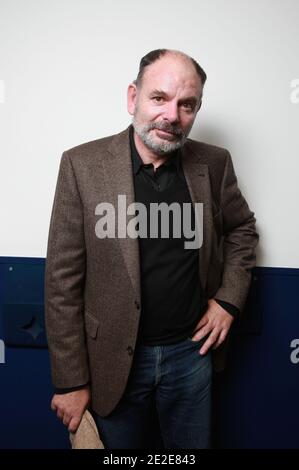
(164, 134)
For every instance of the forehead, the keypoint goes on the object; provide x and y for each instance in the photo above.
(172, 74)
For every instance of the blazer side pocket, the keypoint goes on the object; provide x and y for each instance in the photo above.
(91, 325)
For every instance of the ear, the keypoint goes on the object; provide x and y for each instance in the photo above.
(131, 98)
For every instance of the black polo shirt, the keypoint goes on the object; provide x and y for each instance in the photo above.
(172, 301)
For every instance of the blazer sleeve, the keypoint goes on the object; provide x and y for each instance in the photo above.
(64, 283)
(239, 240)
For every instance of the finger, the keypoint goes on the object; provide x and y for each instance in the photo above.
(74, 424)
(221, 338)
(203, 321)
(209, 342)
(202, 333)
(53, 405)
(66, 419)
(59, 413)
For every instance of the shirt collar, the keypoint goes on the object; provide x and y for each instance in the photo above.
(173, 158)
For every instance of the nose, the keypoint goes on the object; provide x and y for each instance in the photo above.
(171, 112)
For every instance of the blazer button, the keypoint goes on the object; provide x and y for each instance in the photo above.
(137, 304)
(130, 350)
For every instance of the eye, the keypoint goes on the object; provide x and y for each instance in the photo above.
(189, 106)
(158, 99)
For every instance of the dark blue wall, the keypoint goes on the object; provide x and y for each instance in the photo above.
(258, 395)
(25, 384)
(256, 398)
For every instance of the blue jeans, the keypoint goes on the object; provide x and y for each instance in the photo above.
(166, 402)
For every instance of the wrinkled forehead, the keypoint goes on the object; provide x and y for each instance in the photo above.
(172, 74)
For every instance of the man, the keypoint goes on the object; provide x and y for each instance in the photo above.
(133, 321)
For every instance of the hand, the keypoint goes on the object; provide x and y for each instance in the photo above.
(70, 407)
(216, 321)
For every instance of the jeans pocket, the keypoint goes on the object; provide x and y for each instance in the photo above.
(197, 341)
(189, 338)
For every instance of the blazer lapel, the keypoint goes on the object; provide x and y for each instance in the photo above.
(119, 176)
(197, 178)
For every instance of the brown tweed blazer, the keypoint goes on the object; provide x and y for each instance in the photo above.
(92, 285)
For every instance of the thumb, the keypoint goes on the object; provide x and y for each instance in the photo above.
(74, 423)
(203, 321)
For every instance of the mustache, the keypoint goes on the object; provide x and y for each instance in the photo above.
(164, 126)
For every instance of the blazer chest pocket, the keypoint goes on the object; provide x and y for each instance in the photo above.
(91, 325)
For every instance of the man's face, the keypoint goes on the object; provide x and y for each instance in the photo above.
(165, 106)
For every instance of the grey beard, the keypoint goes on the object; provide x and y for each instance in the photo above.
(161, 148)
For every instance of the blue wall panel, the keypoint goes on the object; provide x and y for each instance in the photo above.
(258, 395)
(25, 384)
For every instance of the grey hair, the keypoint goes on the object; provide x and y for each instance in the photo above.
(156, 54)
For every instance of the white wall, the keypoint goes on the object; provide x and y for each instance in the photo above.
(64, 70)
